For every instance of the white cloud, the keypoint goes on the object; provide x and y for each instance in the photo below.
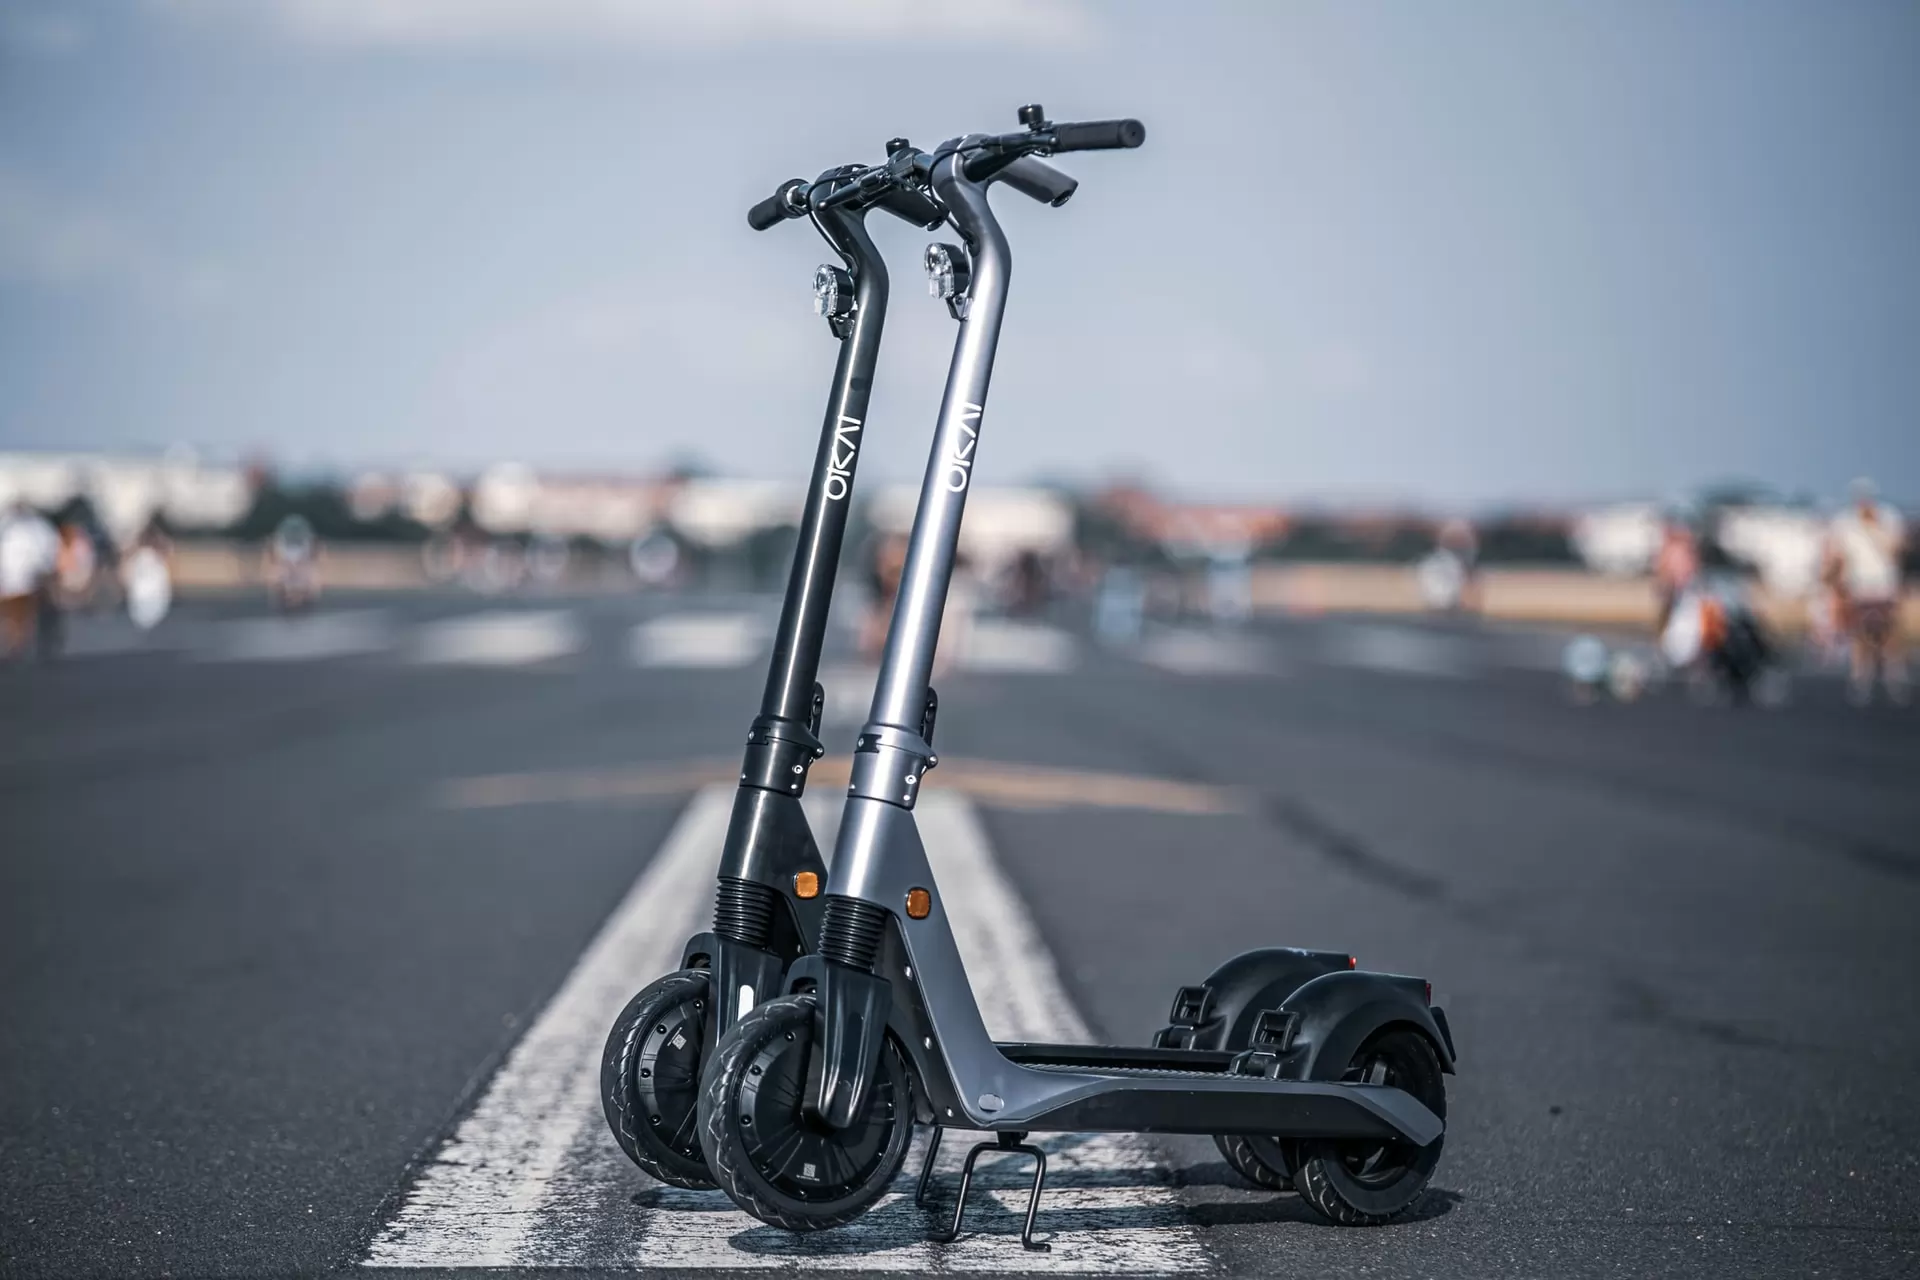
(530, 26)
(55, 244)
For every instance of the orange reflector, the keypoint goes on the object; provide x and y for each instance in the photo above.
(806, 884)
(919, 904)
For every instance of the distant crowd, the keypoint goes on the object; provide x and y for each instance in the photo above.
(50, 570)
(1855, 610)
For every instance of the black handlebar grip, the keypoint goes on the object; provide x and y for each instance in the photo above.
(775, 208)
(1039, 180)
(1099, 135)
(912, 206)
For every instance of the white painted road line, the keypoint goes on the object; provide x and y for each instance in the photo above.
(1190, 651)
(297, 638)
(532, 1178)
(1000, 645)
(478, 1202)
(499, 638)
(698, 640)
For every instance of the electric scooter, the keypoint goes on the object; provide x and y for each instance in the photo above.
(1332, 1076)
(767, 905)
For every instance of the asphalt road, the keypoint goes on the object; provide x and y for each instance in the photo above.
(255, 970)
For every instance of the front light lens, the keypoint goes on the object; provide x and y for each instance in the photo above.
(832, 297)
(946, 271)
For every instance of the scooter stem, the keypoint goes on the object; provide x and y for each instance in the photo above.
(823, 524)
(892, 753)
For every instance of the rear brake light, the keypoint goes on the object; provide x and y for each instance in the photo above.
(1353, 962)
(1429, 987)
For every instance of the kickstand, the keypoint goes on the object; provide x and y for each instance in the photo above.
(1002, 1142)
(926, 1170)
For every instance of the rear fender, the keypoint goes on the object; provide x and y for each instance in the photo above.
(1239, 991)
(1339, 1011)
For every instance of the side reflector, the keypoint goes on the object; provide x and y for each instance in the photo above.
(806, 884)
(919, 904)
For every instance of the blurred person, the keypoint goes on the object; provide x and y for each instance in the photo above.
(146, 573)
(29, 557)
(1676, 564)
(1867, 541)
(292, 565)
(76, 565)
(1715, 635)
(1459, 540)
(1827, 607)
(886, 560)
(956, 620)
(1028, 587)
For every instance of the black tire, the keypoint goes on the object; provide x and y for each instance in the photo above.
(650, 1079)
(763, 1152)
(1261, 1161)
(1362, 1183)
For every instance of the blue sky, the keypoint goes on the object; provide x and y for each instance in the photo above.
(1452, 253)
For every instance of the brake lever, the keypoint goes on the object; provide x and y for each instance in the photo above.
(868, 184)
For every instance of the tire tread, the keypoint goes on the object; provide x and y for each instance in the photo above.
(618, 1097)
(727, 1159)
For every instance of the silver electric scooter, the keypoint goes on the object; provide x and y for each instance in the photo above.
(1303, 1068)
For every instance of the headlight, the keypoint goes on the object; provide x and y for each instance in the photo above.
(947, 271)
(832, 293)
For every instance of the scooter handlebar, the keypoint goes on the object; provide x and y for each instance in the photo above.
(779, 206)
(1036, 178)
(1098, 135)
(912, 206)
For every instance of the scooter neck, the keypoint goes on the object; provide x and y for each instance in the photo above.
(900, 696)
(823, 523)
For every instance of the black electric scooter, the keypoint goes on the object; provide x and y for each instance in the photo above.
(1303, 1067)
(767, 908)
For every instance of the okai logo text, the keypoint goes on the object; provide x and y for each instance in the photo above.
(840, 466)
(960, 465)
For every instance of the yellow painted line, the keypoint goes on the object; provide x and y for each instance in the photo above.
(999, 784)
(643, 782)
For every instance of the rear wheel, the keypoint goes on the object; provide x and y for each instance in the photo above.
(1261, 1161)
(775, 1163)
(1361, 1182)
(650, 1079)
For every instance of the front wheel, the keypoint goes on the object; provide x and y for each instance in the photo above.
(650, 1079)
(776, 1164)
(1361, 1182)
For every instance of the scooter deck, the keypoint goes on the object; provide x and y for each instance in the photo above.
(1197, 1091)
(1117, 1057)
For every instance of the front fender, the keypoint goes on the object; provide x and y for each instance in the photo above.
(1338, 1012)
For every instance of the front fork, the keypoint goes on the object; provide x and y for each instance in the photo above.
(760, 924)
